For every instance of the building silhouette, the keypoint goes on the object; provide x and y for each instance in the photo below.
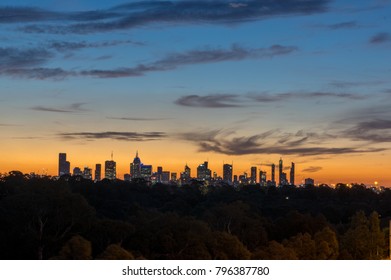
(64, 167)
(110, 170)
(253, 175)
(185, 175)
(280, 175)
(262, 178)
(98, 172)
(87, 173)
(227, 173)
(292, 174)
(273, 174)
(135, 168)
(203, 172)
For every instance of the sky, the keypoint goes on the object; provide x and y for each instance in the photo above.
(242, 82)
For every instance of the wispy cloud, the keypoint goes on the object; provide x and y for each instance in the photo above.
(73, 108)
(380, 38)
(312, 169)
(375, 131)
(64, 46)
(343, 25)
(266, 97)
(198, 56)
(135, 14)
(235, 100)
(11, 58)
(224, 142)
(115, 135)
(209, 101)
(137, 119)
(348, 84)
(20, 63)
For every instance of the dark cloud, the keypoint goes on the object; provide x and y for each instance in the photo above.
(223, 142)
(73, 108)
(123, 136)
(209, 101)
(39, 73)
(64, 46)
(27, 14)
(208, 55)
(265, 97)
(19, 63)
(17, 58)
(376, 131)
(312, 169)
(216, 55)
(137, 119)
(143, 13)
(343, 25)
(380, 38)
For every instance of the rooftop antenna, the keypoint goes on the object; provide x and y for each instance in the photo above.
(111, 155)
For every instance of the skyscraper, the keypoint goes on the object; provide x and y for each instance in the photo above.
(280, 175)
(64, 167)
(253, 177)
(262, 178)
(146, 172)
(186, 175)
(273, 174)
(227, 173)
(110, 170)
(203, 173)
(292, 174)
(135, 167)
(98, 172)
(87, 173)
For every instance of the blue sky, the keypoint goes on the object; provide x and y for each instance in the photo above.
(254, 80)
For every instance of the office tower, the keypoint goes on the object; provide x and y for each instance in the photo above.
(262, 178)
(227, 173)
(127, 177)
(203, 173)
(173, 177)
(273, 174)
(166, 177)
(87, 173)
(146, 172)
(159, 174)
(309, 182)
(77, 171)
(186, 175)
(243, 179)
(64, 167)
(135, 167)
(283, 179)
(280, 168)
(98, 172)
(110, 170)
(292, 174)
(253, 177)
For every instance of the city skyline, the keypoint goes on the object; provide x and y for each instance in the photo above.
(263, 174)
(184, 82)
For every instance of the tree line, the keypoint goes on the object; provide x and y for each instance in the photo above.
(75, 218)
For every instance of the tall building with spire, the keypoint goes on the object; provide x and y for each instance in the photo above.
(64, 167)
(135, 167)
